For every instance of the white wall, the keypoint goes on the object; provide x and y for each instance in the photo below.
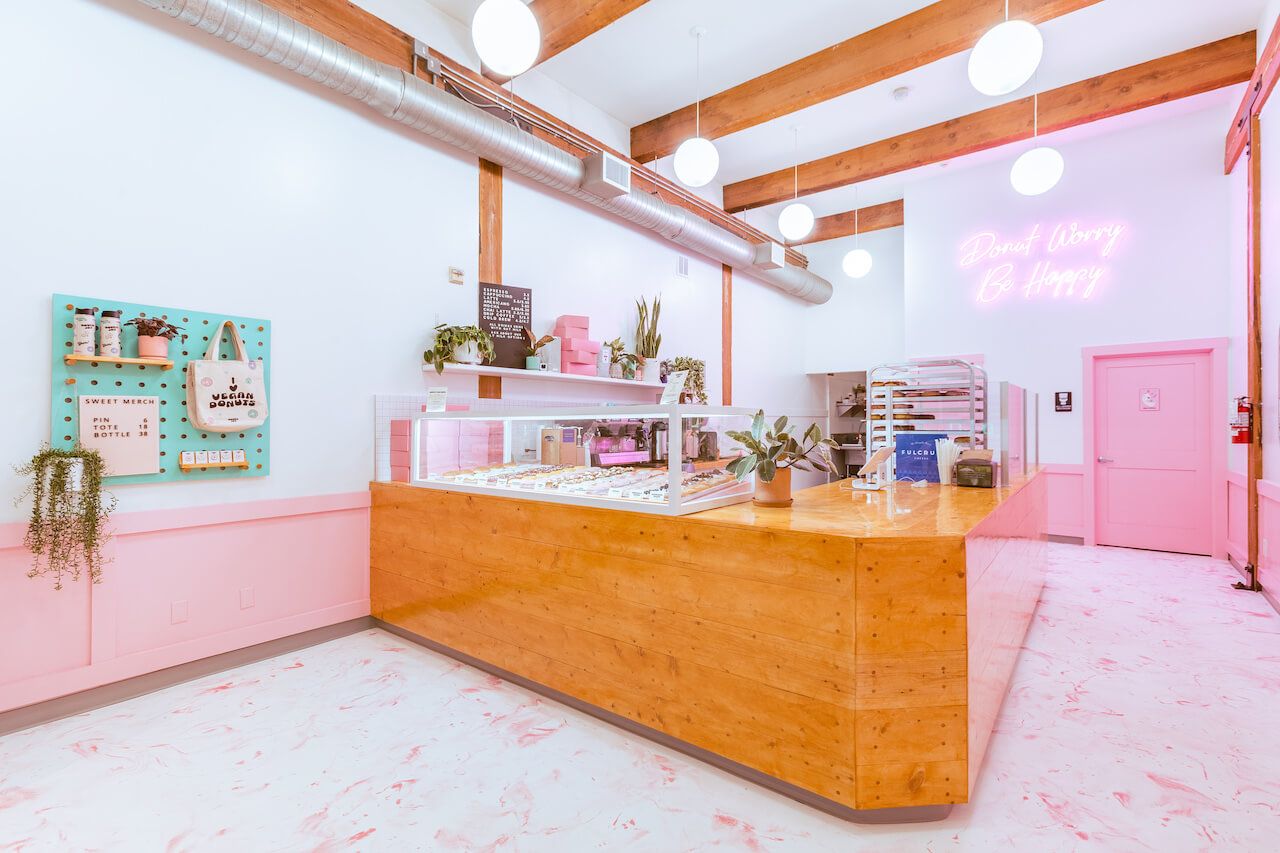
(864, 324)
(1270, 239)
(1169, 277)
(180, 171)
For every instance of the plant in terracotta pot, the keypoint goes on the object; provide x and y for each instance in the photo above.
(773, 452)
(154, 334)
(695, 384)
(648, 341)
(460, 345)
(533, 346)
(69, 510)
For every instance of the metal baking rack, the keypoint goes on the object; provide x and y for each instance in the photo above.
(946, 396)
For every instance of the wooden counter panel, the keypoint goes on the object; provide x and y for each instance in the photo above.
(856, 646)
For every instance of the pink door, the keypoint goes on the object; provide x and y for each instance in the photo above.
(1152, 474)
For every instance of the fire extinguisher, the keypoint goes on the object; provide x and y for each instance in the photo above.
(1242, 423)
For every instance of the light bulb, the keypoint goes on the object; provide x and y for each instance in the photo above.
(796, 221)
(696, 162)
(1037, 171)
(1005, 57)
(506, 36)
(857, 263)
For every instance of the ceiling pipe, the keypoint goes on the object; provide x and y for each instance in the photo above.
(404, 97)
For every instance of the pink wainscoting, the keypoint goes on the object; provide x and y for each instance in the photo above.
(1269, 536)
(1066, 499)
(1237, 518)
(182, 584)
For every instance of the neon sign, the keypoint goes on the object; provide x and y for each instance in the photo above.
(1041, 266)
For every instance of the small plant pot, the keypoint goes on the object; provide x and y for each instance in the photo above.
(615, 370)
(467, 353)
(153, 346)
(776, 492)
(533, 362)
(640, 364)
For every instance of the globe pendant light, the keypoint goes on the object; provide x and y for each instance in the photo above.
(1037, 171)
(1006, 56)
(506, 35)
(858, 262)
(796, 220)
(697, 160)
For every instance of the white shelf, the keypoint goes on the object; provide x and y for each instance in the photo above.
(538, 375)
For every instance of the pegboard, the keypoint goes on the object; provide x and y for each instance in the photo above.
(176, 433)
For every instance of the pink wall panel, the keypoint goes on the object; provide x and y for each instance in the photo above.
(1065, 485)
(182, 585)
(1237, 518)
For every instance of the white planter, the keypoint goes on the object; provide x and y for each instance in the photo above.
(468, 353)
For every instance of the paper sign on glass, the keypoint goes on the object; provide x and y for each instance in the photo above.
(675, 385)
(125, 430)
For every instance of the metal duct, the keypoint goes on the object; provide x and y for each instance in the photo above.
(404, 97)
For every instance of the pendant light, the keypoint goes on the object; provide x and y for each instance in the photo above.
(858, 262)
(506, 35)
(697, 160)
(1037, 171)
(1006, 56)
(796, 220)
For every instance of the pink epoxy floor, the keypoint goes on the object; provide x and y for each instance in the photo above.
(1144, 715)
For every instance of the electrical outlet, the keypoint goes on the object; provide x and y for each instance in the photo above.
(246, 597)
(177, 612)
(457, 275)
(1266, 546)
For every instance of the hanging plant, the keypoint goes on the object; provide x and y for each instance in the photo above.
(695, 384)
(68, 513)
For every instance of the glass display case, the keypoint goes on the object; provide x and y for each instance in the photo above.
(664, 459)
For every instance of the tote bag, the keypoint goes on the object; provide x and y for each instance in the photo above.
(225, 395)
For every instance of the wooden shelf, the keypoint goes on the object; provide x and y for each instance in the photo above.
(202, 466)
(162, 363)
(539, 375)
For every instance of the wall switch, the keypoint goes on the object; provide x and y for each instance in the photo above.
(177, 612)
(1266, 546)
(457, 276)
(246, 597)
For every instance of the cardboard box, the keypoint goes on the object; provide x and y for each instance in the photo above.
(579, 369)
(575, 332)
(582, 345)
(577, 356)
(561, 446)
(573, 320)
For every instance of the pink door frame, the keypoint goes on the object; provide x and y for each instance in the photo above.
(1217, 350)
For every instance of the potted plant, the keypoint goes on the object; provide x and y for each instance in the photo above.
(154, 334)
(460, 345)
(695, 384)
(533, 344)
(773, 452)
(69, 510)
(648, 341)
(619, 359)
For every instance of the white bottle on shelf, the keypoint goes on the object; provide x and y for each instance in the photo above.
(84, 328)
(109, 335)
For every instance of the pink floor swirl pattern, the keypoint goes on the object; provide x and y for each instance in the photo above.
(1144, 715)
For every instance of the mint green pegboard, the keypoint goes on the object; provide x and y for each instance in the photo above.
(176, 434)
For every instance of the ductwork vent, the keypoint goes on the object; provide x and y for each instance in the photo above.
(404, 97)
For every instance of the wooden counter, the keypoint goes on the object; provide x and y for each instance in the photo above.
(853, 648)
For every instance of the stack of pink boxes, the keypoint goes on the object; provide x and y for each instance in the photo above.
(446, 446)
(577, 353)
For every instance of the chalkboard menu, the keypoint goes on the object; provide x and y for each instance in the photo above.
(505, 312)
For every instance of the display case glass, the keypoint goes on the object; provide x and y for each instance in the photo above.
(665, 459)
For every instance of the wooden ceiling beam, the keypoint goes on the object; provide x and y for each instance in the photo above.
(935, 32)
(1261, 85)
(874, 217)
(564, 23)
(1180, 75)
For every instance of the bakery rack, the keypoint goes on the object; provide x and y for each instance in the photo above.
(945, 396)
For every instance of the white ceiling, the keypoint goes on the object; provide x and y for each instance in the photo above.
(642, 66)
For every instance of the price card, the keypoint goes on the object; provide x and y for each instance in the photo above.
(675, 385)
(124, 430)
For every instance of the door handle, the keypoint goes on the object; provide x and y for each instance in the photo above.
(1105, 459)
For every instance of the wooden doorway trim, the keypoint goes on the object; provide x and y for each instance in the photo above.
(490, 253)
(1217, 350)
(726, 335)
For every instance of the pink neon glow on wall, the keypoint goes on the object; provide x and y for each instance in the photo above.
(1062, 260)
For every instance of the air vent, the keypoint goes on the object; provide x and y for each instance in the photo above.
(771, 256)
(606, 176)
(684, 267)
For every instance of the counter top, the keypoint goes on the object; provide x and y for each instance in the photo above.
(900, 509)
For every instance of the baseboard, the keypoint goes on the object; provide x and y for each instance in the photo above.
(1066, 540)
(138, 685)
(908, 814)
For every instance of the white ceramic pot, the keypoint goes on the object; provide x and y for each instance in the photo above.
(468, 353)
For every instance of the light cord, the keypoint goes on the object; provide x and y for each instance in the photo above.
(697, 90)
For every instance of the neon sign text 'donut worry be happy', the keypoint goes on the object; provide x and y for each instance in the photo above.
(1041, 266)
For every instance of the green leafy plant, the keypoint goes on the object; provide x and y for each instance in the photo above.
(695, 384)
(617, 350)
(156, 327)
(449, 338)
(533, 344)
(648, 341)
(769, 449)
(65, 533)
